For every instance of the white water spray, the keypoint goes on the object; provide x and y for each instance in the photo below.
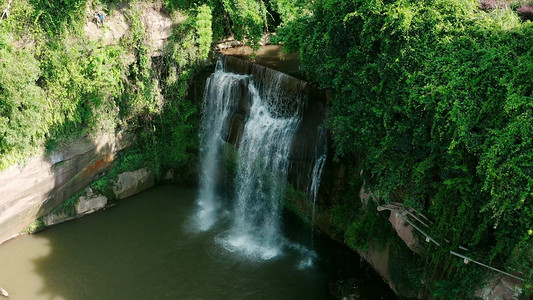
(220, 98)
(275, 109)
(263, 163)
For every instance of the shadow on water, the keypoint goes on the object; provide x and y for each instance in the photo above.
(144, 248)
(123, 253)
(349, 275)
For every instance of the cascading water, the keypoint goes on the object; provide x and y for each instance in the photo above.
(274, 104)
(263, 163)
(321, 152)
(221, 95)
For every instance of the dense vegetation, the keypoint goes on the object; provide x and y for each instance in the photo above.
(432, 99)
(436, 99)
(57, 83)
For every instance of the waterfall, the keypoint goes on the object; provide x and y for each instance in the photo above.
(220, 98)
(263, 163)
(321, 151)
(270, 104)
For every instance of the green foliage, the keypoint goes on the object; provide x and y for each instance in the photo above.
(127, 161)
(172, 5)
(69, 207)
(248, 18)
(203, 30)
(297, 202)
(190, 42)
(104, 185)
(55, 16)
(437, 95)
(359, 224)
(82, 82)
(370, 228)
(405, 267)
(245, 19)
(141, 96)
(22, 103)
(35, 226)
(72, 87)
(347, 208)
(459, 284)
(177, 137)
(172, 139)
(20, 22)
(289, 10)
(220, 26)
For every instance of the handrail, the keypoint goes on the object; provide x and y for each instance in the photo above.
(416, 218)
(468, 259)
(6, 11)
(399, 209)
(428, 238)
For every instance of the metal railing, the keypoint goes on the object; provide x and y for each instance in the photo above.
(404, 213)
(5, 13)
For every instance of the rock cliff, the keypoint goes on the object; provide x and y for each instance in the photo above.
(32, 190)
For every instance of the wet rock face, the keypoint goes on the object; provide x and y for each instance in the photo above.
(306, 140)
(236, 129)
(287, 94)
(241, 112)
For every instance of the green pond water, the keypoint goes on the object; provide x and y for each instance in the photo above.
(146, 248)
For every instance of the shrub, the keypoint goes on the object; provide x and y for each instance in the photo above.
(55, 16)
(203, 30)
(23, 109)
(436, 96)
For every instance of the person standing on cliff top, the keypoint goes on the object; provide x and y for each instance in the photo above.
(100, 19)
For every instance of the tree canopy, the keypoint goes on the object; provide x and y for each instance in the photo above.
(436, 97)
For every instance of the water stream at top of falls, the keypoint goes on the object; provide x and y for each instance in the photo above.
(274, 110)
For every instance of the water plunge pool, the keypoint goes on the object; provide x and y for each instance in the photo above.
(147, 248)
